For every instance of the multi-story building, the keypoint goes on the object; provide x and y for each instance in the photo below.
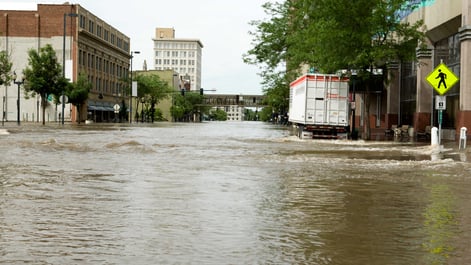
(181, 55)
(234, 112)
(408, 98)
(83, 42)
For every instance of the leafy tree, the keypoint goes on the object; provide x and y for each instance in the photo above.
(332, 35)
(44, 76)
(5, 68)
(186, 106)
(152, 90)
(78, 93)
(270, 53)
(5, 72)
(218, 115)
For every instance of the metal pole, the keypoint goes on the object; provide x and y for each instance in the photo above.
(18, 104)
(440, 117)
(130, 93)
(63, 66)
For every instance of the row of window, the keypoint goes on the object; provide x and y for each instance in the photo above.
(113, 72)
(175, 45)
(104, 34)
(174, 62)
(100, 64)
(175, 54)
(189, 70)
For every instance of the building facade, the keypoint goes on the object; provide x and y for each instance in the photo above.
(407, 97)
(83, 42)
(181, 55)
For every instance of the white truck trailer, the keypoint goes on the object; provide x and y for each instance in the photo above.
(319, 106)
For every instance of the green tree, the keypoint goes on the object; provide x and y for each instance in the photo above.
(151, 90)
(332, 35)
(218, 115)
(369, 34)
(185, 107)
(5, 68)
(270, 52)
(44, 76)
(78, 93)
(5, 73)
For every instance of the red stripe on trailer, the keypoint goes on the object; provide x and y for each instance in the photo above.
(318, 77)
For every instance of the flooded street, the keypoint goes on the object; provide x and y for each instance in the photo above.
(227, 193)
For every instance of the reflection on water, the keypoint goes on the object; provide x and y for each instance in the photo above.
(227, 193)
(440, 224)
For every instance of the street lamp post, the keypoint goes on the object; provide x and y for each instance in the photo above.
(130, 94)
(18, 83)
(63, 59)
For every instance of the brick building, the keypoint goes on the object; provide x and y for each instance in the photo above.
(91, 46)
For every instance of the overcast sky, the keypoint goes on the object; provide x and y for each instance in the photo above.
(222, 26)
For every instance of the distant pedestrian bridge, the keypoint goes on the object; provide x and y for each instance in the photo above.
(218, 100)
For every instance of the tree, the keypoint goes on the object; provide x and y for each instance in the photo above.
(44, 76)
(5, 74)
(5, 68)
(332, 35)
(270, 53)
(78, 92)
(184, 107)
(151, 89)
(218, 115)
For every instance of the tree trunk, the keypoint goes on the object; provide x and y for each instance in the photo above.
(78, 111)
(43, 107)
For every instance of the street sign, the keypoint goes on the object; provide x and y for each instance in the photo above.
(440, 102)
(116, 108)
(66, 99)
(442, 79)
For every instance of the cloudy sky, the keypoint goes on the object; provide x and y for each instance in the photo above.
(222, 27)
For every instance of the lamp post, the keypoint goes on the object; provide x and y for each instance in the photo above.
(18, 83)
(130, 94)
(63, 59)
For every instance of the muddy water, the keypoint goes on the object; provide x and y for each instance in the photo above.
(227, 193)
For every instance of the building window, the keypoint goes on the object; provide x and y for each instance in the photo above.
(98, 31)
(82, 21)
(91, 26)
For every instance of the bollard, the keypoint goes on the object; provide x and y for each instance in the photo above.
(434, 136)
(463, 138)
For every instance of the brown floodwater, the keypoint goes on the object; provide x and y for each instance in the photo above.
(227, 193)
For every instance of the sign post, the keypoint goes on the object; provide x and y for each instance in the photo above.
(440, 105)
(441, 79)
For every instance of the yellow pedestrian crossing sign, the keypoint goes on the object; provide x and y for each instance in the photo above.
(442, 79)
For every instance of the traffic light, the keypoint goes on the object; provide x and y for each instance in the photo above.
(201, 91)
(182, 91)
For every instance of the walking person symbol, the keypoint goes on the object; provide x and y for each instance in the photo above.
(442, 77)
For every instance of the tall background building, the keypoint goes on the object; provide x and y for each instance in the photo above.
(180, 55)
